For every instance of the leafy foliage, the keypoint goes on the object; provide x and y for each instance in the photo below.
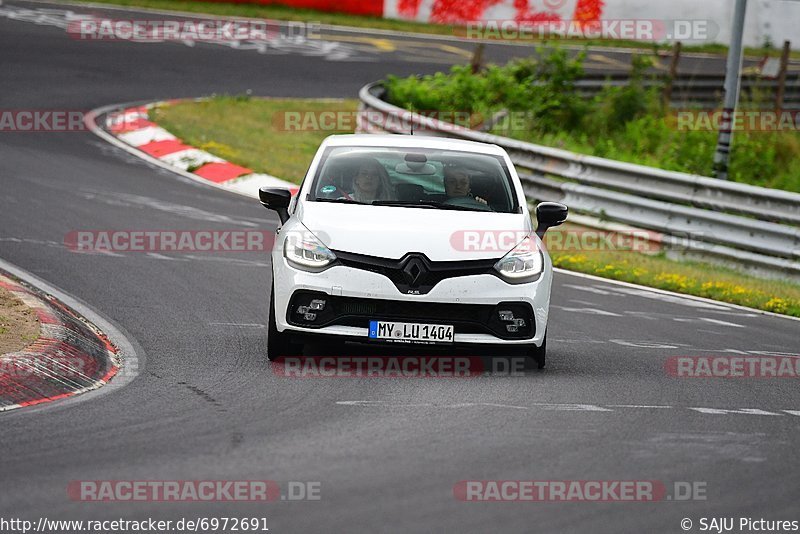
(625, 122)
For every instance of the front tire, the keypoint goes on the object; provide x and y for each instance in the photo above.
(539, 354)
(278, 343)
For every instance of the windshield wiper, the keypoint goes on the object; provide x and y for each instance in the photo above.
(404, 203)
(423, 204)
(338, 200)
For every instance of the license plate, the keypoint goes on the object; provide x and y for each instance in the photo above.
(411, 332)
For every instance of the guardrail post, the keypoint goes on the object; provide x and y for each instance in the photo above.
(673, 72)
(779, 92)
(733, 71)
(476, 64)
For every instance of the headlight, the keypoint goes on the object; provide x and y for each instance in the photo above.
(523, 262)
(304, 251)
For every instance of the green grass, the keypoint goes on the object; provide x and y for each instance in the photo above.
(692, 278)
(251, 132)
(278, 12)
(246, 131)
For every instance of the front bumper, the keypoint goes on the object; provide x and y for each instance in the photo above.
(441, 305)
(358, 312)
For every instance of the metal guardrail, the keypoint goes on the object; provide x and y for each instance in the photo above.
(704, 90)
(742, 223)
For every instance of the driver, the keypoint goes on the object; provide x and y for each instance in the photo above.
(457, 183)
(371, 183)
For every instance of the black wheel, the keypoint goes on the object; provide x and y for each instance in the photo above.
(278, 344)
(538, 354)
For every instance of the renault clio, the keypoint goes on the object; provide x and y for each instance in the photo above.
(413, 240)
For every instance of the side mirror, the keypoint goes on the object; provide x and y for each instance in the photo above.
(277, 199)
(549, 214)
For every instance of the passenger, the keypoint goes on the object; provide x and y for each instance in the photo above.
(371, 182)
(457, 183)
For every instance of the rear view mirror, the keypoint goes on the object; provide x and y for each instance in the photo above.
(415, 164)
(549, 214)
(276, 199)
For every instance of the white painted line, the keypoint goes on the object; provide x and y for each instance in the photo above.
(644, 315)
(647, 344)
(726, 351)
(722, 323)
(745, 411)
(157, 256)
(721, 306)
(590, 341)
(231, 261)
(382, 403)
(360, 403)
(572, 407)
(569, 407)
(590, 311)
(590, 289)
(495, 405)
(637, 406)
(582, 302)
(246, 325)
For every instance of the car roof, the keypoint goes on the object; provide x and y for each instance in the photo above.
(412, 141)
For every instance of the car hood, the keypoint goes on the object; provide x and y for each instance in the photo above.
(392, 232)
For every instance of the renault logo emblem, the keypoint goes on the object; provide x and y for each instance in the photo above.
(414, 272)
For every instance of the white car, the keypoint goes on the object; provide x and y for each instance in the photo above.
(409, 239)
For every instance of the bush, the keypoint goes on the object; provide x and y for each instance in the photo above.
(627, 123)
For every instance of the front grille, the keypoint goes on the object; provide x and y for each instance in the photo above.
(414, 273)
(348, 307)
(466, 318)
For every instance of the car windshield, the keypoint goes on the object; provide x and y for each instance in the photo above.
(414, 177)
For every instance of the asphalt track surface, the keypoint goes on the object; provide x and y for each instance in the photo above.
(207, 405)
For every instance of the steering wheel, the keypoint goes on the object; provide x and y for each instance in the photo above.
(467, 202)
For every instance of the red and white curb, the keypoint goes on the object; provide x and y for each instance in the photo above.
(70, 357)
(131, 126)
